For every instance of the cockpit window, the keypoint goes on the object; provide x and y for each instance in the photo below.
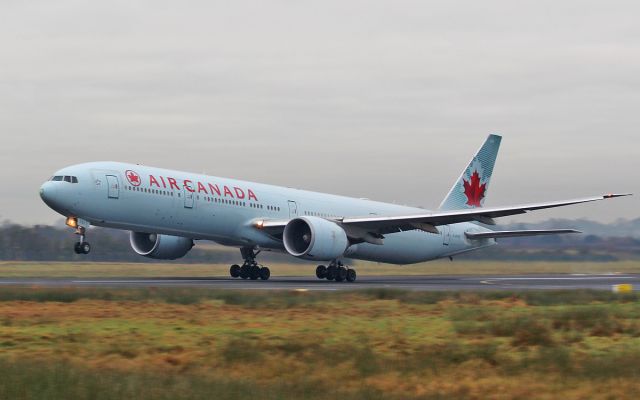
(65, 178)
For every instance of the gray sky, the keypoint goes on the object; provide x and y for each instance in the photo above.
(379, 99)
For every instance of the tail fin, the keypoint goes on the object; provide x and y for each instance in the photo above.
(470, 189)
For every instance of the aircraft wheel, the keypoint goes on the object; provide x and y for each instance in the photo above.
(254, 272)
(77, 249)
(244, 272)
(351, 275)
(331, 272)
(321, 272)
(341, 274)
(265, 273)
(85, 248)
(234, 271)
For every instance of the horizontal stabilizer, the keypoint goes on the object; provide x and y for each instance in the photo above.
(506, 234)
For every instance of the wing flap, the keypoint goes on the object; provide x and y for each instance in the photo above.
(508, 234)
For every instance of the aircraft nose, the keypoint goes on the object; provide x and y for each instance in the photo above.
(48, 193)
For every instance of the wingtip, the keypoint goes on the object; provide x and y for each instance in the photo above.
(614, 195)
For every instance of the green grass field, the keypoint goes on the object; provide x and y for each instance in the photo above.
(172, 343)
(55, 269)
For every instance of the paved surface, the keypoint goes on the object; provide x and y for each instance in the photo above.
(458, 282)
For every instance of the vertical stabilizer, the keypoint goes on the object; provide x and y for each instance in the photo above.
(470, 190)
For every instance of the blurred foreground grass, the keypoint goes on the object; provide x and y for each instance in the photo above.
(64, 269)
(171, 343)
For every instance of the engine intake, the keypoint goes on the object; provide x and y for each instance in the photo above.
(161, 247)
(314, 238)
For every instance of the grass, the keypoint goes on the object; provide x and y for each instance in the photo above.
(86, 270)
(171, 343)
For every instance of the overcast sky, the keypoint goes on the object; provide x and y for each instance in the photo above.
(379, 99)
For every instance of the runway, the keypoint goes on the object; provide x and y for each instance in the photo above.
(423, 283)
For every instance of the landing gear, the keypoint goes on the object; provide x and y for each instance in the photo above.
(250, 269)
(351, 275)
(336, 272)
(81, 247)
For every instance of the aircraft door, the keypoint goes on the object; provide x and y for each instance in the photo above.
(293, 209)
(188, 198)
(446, 234)
(113, 186)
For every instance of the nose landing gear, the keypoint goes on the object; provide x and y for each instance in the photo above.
(80, 247)
(336, 271)
(250, 269)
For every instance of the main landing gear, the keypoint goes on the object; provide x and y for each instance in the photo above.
(336, 272)
(250, 269)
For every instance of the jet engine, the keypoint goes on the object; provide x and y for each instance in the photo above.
(314, 238)
(162, 247)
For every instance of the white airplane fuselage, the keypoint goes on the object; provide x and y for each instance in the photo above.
(227, 211)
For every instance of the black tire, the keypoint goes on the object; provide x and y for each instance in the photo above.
(85, 247)
(331, 273)
(321, 272)
(351, 275)
(254, 272)
(234, 271)
(244, 272)
(265, 273)
(341, 274)
(77, 249)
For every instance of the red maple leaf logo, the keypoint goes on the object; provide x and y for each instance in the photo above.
(133, 178)
(474, 190)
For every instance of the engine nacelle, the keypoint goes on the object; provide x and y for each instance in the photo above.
(314, 238)
(162, 247)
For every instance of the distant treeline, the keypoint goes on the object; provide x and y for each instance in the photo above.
(46, 243)
(574, 247)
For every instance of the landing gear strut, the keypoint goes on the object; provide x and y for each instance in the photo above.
(336, 271)
(250, 269)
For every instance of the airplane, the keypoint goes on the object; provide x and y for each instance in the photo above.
(166, 211)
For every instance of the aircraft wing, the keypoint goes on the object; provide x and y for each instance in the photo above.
(363, 227)
(429, 221)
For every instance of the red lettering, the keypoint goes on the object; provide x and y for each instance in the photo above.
(173, 184)
(188, 186)
(227, 192)
(239, 192)
(252, 195)
(201, 188)
(215, 188)
(153, 181)
(164, 185)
